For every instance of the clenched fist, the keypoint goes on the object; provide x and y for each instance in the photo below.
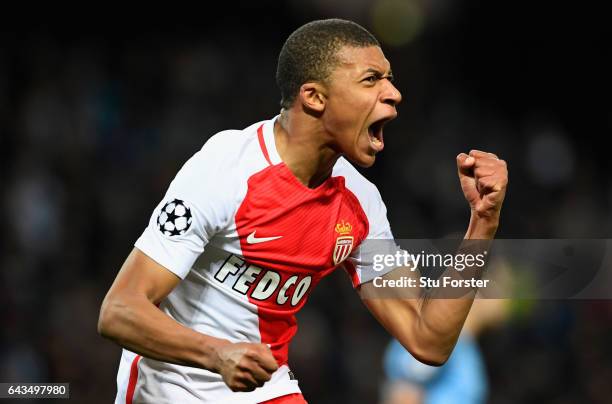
(484, 178)
(246, 366)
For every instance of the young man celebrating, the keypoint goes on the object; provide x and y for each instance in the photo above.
(205, 304)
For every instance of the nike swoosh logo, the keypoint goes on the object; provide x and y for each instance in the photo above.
(251, 239)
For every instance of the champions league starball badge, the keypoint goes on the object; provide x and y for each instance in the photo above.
(175, 218)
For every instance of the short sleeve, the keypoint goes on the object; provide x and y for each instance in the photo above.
(362, 264)
(196, 206)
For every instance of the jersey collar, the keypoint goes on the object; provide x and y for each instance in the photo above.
(268, 135)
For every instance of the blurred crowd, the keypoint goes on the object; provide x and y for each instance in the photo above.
(96, 120)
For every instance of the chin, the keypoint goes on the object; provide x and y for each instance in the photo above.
(363, 161)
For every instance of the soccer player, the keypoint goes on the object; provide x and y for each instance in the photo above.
(205, 304)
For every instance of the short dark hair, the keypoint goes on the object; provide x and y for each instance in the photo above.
(309, 54)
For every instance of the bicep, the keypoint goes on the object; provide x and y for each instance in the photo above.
(142, 276)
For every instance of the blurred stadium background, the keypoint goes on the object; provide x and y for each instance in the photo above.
(98, 112)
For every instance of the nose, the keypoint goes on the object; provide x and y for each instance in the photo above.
(391, 94)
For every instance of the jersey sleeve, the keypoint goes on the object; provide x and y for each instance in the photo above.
(361, 265)
(196, 206)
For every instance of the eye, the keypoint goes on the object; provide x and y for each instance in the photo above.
(371, 79)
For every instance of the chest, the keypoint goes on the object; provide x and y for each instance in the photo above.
(285, 226)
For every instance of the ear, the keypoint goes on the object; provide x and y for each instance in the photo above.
(313, 96)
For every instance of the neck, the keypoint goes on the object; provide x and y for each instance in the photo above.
(305, 147)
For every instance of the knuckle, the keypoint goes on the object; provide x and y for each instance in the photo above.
(252, 352)
(247, 382)
(236, 386)
(484, 183)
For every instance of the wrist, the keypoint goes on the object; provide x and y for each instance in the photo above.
(482, 227)
(210, 352)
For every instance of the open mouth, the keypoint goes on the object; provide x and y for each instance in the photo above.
(375, 133)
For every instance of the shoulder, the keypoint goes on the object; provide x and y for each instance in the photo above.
(220, 168)
(231, 144)
(231, 138)
(368, 196)
(229, 150)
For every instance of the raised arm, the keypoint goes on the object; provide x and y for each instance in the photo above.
(429, 326)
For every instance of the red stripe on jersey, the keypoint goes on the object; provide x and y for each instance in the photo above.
(295, 398)
(349, 267)
(276, 329)
(133, 379)
(262, 144)
(291, 233)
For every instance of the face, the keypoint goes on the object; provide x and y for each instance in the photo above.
(360, 99)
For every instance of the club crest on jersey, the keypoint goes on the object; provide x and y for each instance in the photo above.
(344, 242)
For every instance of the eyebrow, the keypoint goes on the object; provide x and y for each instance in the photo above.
(378, 72)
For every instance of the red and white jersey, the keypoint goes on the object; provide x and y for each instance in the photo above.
(250, 242)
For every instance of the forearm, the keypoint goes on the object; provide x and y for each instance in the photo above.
(430, 324)
(136, 324)
(443, 311)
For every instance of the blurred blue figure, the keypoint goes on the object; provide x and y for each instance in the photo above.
(462, 379)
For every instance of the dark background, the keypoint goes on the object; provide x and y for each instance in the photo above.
(99, 108)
